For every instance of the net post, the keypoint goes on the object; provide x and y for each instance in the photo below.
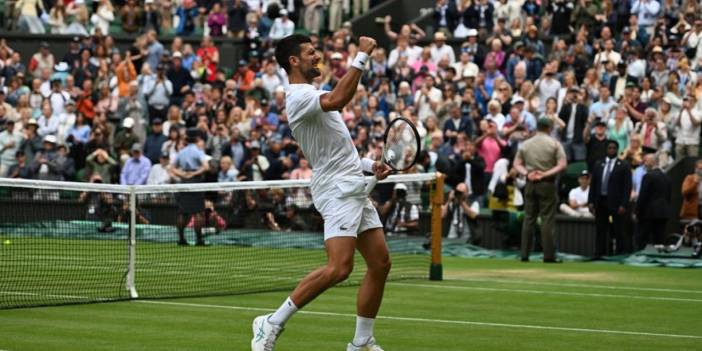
(437, 200)
(131, 287)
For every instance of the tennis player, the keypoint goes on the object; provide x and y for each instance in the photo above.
(338, 192)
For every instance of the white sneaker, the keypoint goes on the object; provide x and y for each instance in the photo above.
(264, 334)
(370, 346)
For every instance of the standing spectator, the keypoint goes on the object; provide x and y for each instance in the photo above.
(126, 74)
(57, 19)
(32, 140)
(313, 15)
(237, 10)
(217, 20)
(687, 129)
(574, 115)
(154, 141)
(653, 207)
(282, 26)
(255, 165)
(103, 17)
(692, 193)
(595, 142)
(577, 205)
(647, 12)
(10, 142)
(180, 77)
(78, 12)
(619, 128)
(209, 57)
(440, 51)
(132, 16)
(152, 17)
(187, 12)
(652, 131)
(136, 169)
(244, 76)
(609, 198)
(158, 94)
(547, 86)
(154, 49)
(693, 40)
(490, 145)
(540, 159)
(29, 20)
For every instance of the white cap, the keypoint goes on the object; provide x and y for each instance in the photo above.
(50, 139)
(472, 32)
(337, 56)
(128, 122)
(177, 54)
(517, 99)
(283, 12)
(400, 186)
(148, 1)
(470, 71)
(280, 89)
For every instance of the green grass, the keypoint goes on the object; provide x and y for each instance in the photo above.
(482, 305)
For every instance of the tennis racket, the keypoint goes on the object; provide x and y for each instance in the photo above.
(401, 146)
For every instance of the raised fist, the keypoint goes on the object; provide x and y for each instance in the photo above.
(367, 44)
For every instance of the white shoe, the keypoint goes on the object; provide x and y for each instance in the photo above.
(370, 346)
(264, 334)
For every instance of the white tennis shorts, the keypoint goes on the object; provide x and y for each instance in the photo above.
(347, 216)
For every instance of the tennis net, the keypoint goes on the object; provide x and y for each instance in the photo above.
(64, 242)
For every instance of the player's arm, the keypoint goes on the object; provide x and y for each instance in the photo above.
(345, 89)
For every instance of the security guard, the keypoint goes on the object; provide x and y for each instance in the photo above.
(540, 159)
(190, 165)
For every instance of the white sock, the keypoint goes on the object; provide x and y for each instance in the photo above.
(364, 330)
(284, 312)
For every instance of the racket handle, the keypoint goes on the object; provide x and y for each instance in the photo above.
(371, 185)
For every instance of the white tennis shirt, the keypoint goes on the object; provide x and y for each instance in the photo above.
(326, 143)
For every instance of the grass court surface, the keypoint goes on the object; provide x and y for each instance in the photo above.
(481, 305)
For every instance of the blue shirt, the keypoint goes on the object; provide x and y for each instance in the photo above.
(637, 178)
(81, 133)
(135, 171)
(190, 158)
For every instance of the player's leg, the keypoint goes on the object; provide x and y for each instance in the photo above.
(371, 244)
(340, 251)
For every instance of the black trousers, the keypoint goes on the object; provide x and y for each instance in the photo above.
(651, 231)
(608, 230)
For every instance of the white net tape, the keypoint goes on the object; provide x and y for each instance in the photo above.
(194, 187)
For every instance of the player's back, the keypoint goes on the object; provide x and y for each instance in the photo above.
(324, 139)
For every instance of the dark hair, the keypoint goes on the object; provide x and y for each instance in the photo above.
(289, 46)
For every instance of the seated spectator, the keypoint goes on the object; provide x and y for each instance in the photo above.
(10, 142)
(21, 169)
(160, 171)
(577, 198)
(45, 166)
(401, 216)
(692, 193)
(461, 214)
(282, 26)
(136, 168)
(125, 138)
(100, 163)
(227, 171)
(48, 124)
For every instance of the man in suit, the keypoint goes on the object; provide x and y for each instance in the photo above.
(574, 115)
(608, 198)
(653, 206)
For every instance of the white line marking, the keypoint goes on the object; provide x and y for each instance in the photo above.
(567, 285)
(441, 321)
(655, 298)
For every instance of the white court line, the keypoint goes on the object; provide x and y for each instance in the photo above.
(568, 285)
(437, 321)
(547, 292)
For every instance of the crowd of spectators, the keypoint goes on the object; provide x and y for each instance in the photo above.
(604, 70)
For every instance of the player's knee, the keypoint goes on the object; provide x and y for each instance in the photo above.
(381, 266)
(339, 273)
